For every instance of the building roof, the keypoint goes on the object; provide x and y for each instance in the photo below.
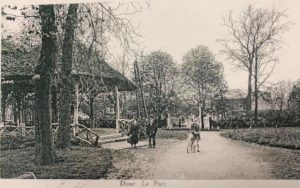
(236, 94)
(20, 65)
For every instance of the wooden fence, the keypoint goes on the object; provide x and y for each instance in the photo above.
(81, 133)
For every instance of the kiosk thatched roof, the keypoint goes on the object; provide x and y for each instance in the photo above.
(19, 66)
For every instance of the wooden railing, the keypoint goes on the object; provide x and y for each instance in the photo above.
(124, 125)
(80, 132)
(17, 130)
(85, 135)
(105, 123)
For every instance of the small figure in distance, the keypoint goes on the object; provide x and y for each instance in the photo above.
(195, 127)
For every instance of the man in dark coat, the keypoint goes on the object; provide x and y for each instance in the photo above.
(151, 132)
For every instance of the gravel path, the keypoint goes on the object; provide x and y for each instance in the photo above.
(219, 158)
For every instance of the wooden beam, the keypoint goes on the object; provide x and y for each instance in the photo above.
(117, 109)
(140, 85)
(76, 105)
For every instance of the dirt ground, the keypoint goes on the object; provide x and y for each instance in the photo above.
(219, 158)
(138, 163)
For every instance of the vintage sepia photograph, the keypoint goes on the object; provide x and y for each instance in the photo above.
(150, 90)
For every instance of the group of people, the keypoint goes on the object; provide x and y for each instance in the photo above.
(134, 132)
(135, 127)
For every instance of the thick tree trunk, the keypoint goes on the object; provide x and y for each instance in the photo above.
(43, 140)
(64, 137)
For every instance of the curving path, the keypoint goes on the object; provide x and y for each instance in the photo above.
(219, 158)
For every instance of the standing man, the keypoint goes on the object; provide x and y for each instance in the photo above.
(151, 132)
(196, 132)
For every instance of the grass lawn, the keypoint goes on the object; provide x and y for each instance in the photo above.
(15, 142)
(284, 155)
(77, 163)
(166, 134)
(284, 137)
(104, 131)
(16, 158)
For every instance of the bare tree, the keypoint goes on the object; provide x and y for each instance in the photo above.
(280, 92)
(253, 39)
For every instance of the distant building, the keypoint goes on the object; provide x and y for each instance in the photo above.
(264, 101)
(236, 100)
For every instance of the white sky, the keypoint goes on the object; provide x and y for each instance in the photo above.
(176, 26)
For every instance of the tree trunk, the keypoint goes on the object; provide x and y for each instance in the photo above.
(117, 109)
(18, 99)
(141, 88)
(137, 92)
(256, 91)
(92, 122)
(43, 140)
(249, 96)
(64, 137)
(54, 105)
(3, 106)
(202, 116)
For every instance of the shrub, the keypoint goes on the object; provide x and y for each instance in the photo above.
(270, 118)
(286, 137)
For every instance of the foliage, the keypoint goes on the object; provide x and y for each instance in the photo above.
(205, 76)
(158, 72)
(277, 137)
(28, 37)
(280, 94)
(167, 134)
(270, 118)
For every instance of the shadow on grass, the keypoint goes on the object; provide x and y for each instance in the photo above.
(77, 163)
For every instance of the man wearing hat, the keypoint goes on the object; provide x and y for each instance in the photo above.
(151, 132)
